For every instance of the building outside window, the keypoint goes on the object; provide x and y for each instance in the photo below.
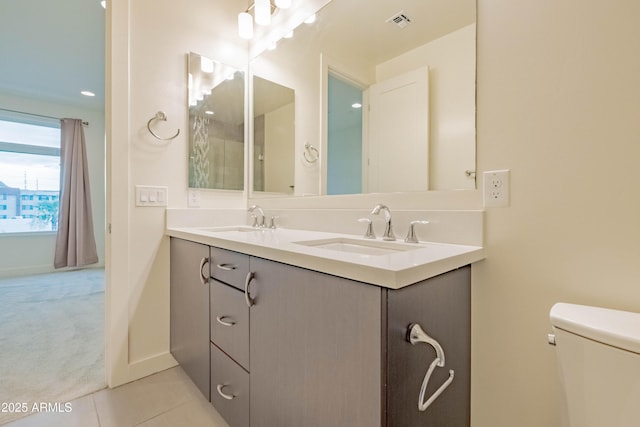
(29, 173)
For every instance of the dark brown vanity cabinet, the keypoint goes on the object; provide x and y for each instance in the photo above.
(303, 348)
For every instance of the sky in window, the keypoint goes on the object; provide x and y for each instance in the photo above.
(36, 171)
(30, 171)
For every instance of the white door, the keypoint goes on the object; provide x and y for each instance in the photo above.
(399, 133)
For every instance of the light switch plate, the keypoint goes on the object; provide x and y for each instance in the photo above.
(151, 196)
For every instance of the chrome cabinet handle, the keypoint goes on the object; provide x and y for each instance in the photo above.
(250, 301)
(221, 320)
(415, 335)
(227, 267)
(203, 279)
(219, 387)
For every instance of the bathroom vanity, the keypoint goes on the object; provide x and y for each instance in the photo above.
(277, 331)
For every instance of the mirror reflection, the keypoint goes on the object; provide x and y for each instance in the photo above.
(387, 98)
(216, 124)
(273, 137)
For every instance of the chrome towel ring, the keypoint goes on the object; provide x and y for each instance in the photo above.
(311, 153)
(160, 115)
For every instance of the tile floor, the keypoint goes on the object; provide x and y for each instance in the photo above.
(166, 399)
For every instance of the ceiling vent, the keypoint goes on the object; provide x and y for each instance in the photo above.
(399, 19)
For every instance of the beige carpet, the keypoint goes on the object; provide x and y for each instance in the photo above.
(51, 338)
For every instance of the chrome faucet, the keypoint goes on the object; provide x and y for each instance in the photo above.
(256, 222)
(388, 230)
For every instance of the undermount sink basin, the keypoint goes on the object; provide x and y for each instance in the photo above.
(242, 228)
(364, 247)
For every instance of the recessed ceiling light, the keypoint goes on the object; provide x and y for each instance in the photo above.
(87, 93)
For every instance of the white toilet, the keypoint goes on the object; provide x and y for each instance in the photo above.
(598, 356)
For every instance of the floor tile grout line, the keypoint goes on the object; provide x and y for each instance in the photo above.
(164, 412)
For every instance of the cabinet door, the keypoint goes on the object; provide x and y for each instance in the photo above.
(230, 322)
(442, 307)
(190, 310)
(229, 389)
(315, 347)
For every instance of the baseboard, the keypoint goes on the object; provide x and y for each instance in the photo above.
(151, 365)
(39, 269)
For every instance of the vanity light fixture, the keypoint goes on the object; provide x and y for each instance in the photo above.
(206, 65)
(245, 25)
(262, 11)
(283, 4)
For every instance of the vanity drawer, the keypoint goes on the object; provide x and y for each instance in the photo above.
(230, 321)
(229, 389)
(229, 267)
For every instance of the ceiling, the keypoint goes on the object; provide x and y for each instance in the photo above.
(52, 50)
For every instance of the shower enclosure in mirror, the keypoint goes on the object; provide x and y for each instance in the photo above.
(414, 66)
(216, 124)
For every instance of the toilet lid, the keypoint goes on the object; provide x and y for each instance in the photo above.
(613, 327)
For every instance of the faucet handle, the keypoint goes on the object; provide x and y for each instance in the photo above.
(272, 221)
(369, 234)
(255, 220)
(411, 234)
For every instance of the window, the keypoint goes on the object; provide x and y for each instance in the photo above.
(29, 172)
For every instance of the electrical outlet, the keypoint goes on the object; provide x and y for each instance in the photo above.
(194, 198)
(496, 188)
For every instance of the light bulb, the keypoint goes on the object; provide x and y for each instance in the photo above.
(206, 65)
(283, 4)
(262, 11)
(245, 25)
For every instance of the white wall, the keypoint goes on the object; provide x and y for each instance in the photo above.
(29, 254)
(147, 45)
(557, 104)
(278, 149)
(452, 104)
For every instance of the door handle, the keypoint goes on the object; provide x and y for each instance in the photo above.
(203, 279)
(221, 320)
(250, 301)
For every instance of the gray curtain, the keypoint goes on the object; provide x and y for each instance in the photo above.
(75, 242)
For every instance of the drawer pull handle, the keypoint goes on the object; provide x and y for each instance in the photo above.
(203, 279)
(416, 335)
(227, 267)
(223, 394)
(250, 301)
(221, 320)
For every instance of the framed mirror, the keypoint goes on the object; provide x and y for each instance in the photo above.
(404, 71)
(216, 124)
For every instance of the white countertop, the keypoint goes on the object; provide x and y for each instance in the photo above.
(394, 270)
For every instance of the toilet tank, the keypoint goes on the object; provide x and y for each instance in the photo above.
(598, 357)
